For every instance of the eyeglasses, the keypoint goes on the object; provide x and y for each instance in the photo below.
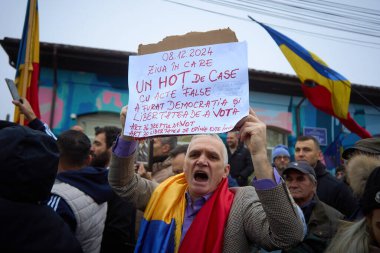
(285, 158)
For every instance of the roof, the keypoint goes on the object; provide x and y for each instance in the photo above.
(113, 62)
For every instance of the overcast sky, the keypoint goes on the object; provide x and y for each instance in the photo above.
(124, 24)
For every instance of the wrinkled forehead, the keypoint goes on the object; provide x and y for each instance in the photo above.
(211, 142)
(199, 141)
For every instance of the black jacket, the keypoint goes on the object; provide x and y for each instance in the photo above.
(334, 192)
(30, 227)
(241, 164)
(119, 229)
(28, 168)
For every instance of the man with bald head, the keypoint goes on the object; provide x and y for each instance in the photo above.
(195, 211)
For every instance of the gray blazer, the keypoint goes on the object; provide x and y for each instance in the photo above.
(266, 218)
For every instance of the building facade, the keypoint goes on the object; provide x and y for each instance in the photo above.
(88, 86)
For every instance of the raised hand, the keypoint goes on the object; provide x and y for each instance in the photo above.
(123, 116)
(25, 108)
(253, 133)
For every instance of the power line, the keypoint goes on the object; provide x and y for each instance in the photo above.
(315, 34)
(288, 12)
(361, 43)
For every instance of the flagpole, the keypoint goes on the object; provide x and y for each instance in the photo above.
(27, 67)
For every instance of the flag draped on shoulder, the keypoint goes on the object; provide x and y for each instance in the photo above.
(161, 226)
(28, 60)
(325, 88)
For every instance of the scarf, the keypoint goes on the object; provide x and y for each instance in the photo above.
(161, 226)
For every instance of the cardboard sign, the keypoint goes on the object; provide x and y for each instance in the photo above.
(188, 101)
(191, 90)
(191, 39)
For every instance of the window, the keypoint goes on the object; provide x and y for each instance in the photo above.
(90, 121)
(275, 136)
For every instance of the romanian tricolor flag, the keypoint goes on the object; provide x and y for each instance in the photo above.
(326, 89)
(161, 226)
(28, 60)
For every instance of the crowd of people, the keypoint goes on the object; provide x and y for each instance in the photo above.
(68, 194)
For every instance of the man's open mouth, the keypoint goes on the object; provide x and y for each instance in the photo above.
(200, 176)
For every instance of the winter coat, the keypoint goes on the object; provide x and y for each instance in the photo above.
(31, 227)
(321, 228)
(264, 217)
(85, 192)
(334, 192)
(241, 164)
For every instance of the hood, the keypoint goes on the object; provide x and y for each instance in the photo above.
(358, 169)
(90, 180)
(28, 163)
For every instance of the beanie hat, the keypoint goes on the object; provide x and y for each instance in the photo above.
(371, 195)
(280, 150)
(28, 163)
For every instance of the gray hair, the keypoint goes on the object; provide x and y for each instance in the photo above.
(312, 178)
(224, 151)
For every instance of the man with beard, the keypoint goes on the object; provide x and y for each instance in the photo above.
(119, 230)
(101, 147)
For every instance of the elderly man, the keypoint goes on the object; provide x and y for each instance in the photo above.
(322, 220)
(329, 189)
(196, 212)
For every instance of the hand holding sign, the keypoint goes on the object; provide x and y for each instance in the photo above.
(188, 91)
